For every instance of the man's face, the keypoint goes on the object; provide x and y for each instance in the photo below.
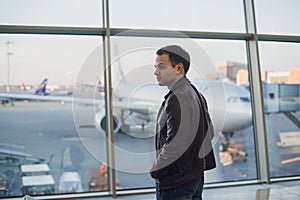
(166, 75)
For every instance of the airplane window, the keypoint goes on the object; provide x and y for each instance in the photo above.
(238, 99)
(245, 99)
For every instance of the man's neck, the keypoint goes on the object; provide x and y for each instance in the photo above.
(171, 85)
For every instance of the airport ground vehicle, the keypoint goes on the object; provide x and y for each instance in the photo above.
(38, 185)
(70, 182)
(36, 179)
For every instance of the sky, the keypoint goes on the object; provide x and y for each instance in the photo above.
(61, 58)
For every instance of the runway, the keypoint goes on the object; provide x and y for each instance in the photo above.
(46, 130)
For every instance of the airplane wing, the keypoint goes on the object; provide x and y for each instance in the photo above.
(141, 107)
(34, 97)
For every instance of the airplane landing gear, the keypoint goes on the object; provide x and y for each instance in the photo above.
(225, 140)
(230, 151)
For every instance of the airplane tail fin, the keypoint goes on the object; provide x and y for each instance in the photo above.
(120, 77)
(23, 87)
(41, 90)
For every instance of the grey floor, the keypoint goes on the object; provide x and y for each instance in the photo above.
(289, 190)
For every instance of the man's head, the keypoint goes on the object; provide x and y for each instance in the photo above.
(176, 55)
(172, 62)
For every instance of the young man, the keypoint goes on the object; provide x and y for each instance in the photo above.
(183, 133)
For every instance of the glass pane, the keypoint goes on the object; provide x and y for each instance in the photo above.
(277, 17)
(234, 147)
(135, 87)
(40, 124)
(280, 69)
(51, 13)
(215, 15)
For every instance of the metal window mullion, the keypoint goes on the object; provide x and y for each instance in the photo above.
(50, 30)
(174, 34)
(279, 38)
(258, 113)
(86, 31)
(256, 94)
(108, 102)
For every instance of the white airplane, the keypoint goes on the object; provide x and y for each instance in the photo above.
(229, 105)
(138, 103)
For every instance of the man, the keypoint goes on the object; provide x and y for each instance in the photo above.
(183, 133)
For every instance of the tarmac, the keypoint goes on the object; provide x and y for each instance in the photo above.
(46, 130)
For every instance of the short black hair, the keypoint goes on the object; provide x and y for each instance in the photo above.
(177, 55)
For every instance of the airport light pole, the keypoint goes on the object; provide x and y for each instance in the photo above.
(9, 53)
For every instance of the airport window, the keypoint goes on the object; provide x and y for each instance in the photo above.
(215, 15)
(280, 68)
(236, 157)
(277, 17)
(64, 13)
(134, 81)
(43, 141)
(57, 67)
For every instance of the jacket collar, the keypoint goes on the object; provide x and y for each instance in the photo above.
(180, 83)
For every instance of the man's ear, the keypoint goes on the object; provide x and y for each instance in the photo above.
(181, 69)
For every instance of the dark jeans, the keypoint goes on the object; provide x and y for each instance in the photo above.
(188, 191)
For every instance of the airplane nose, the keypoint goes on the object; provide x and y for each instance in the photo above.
(238, 118)
(245, 116)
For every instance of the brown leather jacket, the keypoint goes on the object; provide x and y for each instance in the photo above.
(183, 137)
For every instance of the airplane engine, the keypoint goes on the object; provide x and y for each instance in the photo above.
(100, 122)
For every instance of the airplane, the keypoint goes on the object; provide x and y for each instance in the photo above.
(25, 94)
(137, 104)
(229, 105)
(41, 90)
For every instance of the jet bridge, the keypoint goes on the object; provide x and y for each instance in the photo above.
(283, 98)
